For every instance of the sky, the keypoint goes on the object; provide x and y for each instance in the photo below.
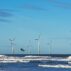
(25, 20)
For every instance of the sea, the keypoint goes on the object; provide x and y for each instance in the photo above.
(33, 65)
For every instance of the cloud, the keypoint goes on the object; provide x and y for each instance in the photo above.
(4, 20)
(4, 13)
(8, 10)
(33, 7)
(61, 4)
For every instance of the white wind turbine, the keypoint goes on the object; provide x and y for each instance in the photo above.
(38, 43)
(12, 44)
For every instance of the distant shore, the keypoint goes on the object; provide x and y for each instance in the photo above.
(53, 55)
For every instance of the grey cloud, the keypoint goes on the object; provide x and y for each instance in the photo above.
(33, 7)
(5, 13)
(8, 10)
(4, 20)
(61, 4)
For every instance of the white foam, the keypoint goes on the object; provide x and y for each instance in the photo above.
(2, 55)
(55, 66)
(14, 61)
(69, 57)
(30, 58)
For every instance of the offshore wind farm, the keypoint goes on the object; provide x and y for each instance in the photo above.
(35, 35)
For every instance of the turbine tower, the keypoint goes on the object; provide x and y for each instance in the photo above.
(38, 43)
(12, 43)
(50, 47)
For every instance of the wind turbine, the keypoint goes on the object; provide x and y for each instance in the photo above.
(38, 44)
(29, 47)
(12, 43)
(50, 47)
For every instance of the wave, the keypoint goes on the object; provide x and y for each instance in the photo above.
(26, 59)
(55, 66)
(14, 61)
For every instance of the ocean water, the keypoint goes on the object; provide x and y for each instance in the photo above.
(31, 66)
(27, 67)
